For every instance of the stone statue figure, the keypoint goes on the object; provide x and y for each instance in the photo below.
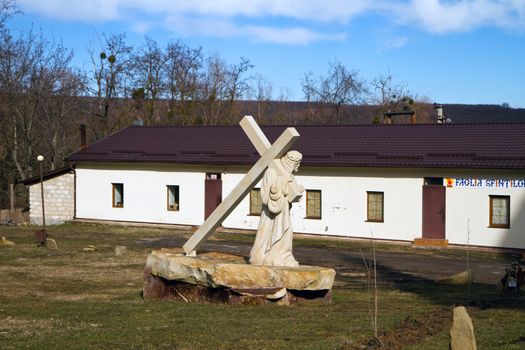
(273, 243)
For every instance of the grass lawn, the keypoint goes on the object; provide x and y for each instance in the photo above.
(71, 299)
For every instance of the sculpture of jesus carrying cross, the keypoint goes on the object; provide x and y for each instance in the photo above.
(273, 243)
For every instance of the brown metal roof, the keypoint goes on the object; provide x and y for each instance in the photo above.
(496, 146)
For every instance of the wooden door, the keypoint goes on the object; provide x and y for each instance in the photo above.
(434, 199)
(212, 193)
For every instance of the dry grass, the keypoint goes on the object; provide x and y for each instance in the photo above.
(73, 299)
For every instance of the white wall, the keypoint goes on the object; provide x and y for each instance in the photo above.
(468, 207)
(145, 193)
(344, 200)
(344, 204)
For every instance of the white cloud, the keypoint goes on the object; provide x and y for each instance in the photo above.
(196, 26)
(87, 10)
(394, 43)
(224, 28)
(141, 27)
(463, 15)
(328, 10)
(301, 36)
(224, 18)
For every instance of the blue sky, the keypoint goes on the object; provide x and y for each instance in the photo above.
(454, 51)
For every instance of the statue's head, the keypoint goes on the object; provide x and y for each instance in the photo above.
(292, 160)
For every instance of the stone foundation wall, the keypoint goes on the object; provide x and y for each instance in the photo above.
(59, 200)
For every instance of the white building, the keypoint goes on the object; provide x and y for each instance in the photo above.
(461, 183)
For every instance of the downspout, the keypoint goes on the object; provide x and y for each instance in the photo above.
(74, 191)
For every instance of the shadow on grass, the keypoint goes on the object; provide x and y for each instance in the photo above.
(406, 271)
(481, 295)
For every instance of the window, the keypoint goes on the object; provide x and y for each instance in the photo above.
(173, 198)
(499, 211)
(213, 176)
(255, 201)
(375, 202)
(433, 181)
(118, 195)
(313, 204)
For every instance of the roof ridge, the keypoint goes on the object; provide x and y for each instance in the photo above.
(404, 125)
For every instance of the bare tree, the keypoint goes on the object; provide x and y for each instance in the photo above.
(184, 73)
(29, 66)
(328, 95)
(148, 67)
(262, 92)
(109, 82)
(212, 91)
(66, 88)
(391, 96)
(7, 10)
(221, 86)
(237, 83)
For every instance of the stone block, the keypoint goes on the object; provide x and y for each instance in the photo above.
(203, 276)
(463, 278)
(5, 242)
(51, 244)
(120, 250)
(462, 332)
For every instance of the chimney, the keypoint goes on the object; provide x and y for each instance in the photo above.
(83, 144)
(439, 112)
(413, 119)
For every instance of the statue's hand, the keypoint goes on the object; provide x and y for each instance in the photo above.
(295, 192)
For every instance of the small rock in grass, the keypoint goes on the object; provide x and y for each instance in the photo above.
(51, 244)
(90, 248)
(462, 278)
(462, 332)
(120, 250)
(5, 242)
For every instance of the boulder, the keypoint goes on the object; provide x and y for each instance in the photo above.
(233, 276)
(462, 278)
(51, 244)
(120, 250)
(5, 242)
(462, 332)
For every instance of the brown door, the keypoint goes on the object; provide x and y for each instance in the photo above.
(212, 193)
(434, 212)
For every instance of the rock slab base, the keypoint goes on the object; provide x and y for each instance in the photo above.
(228, 279)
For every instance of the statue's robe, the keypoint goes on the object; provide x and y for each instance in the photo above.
(273, 243)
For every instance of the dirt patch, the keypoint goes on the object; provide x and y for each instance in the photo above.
(413, 330)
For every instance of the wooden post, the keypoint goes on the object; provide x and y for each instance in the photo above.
(12, 197)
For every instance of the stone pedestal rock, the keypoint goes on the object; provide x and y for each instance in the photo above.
(228, 279)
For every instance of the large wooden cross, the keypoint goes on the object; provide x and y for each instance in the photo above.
(269, 154)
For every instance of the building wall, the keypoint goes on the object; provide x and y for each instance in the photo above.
(145, 193)
(344, 200)
(59, 200)
(344, 204)
(468, 210)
